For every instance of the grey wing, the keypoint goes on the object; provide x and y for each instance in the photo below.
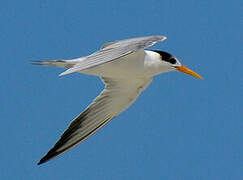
(114, 50)
(115, 98)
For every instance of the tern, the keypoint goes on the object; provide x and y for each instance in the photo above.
(126, 69)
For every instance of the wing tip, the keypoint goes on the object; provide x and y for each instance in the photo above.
(43, 160)
(46, 158)
(162, 38)
(64, 73)
(40, 162)
(50, 155)
(68, 71)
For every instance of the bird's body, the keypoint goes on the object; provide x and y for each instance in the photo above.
(130, 65)
(141, 64)
(126, 69)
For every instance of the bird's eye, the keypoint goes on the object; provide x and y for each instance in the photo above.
(172, 60)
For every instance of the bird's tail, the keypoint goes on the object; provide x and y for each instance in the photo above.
(58, 63)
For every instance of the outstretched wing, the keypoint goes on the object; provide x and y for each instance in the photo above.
(115, 98)
(114, 50)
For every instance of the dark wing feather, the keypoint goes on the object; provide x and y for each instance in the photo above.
(115, 98)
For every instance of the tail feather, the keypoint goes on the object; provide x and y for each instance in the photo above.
(57, 63)
(60, 63)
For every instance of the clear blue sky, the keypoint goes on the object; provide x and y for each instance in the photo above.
(179, 128)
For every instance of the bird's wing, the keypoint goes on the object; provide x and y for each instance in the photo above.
(114, 50)
(107, 44)
(115, 98)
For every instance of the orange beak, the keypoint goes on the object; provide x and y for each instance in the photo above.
(188, 71)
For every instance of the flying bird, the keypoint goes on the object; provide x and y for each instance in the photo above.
(126, 69)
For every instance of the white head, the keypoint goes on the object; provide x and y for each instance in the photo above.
(168, 62)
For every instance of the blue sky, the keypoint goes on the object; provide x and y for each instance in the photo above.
(179, 128)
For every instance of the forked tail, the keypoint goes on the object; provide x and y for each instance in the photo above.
(59, 63)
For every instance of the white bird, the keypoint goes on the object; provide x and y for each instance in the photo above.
(127, 69)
